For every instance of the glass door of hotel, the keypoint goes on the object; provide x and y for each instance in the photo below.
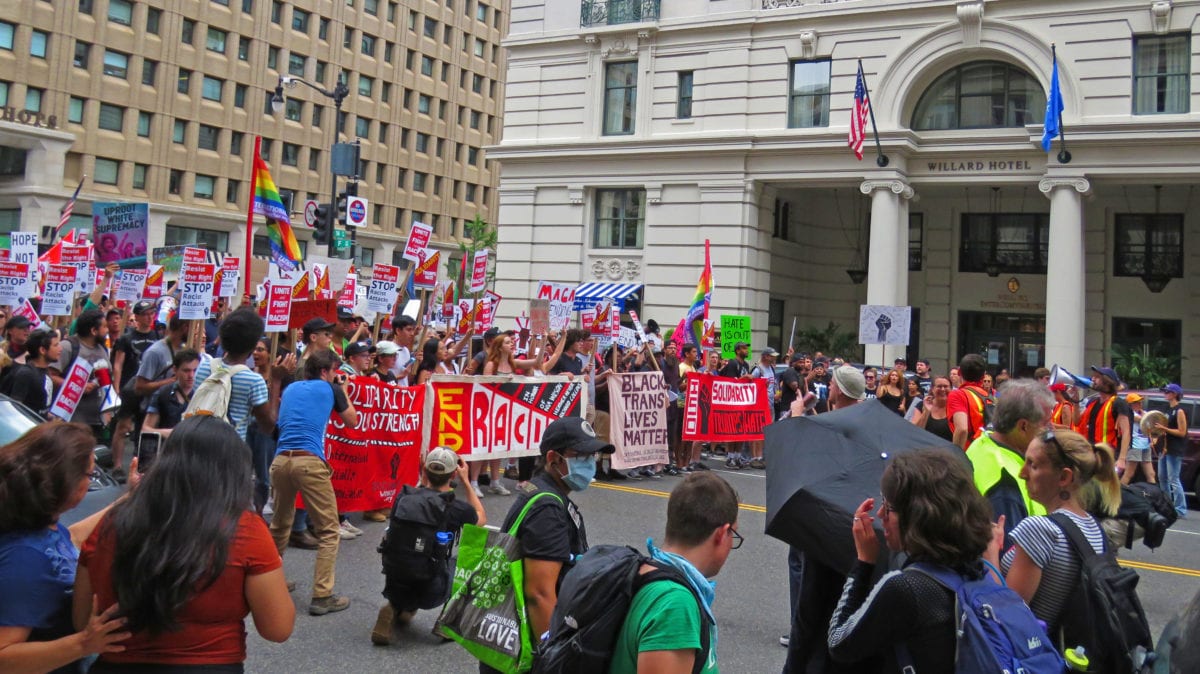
(1012, 342)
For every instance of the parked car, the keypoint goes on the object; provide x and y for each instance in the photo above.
(16, 420)
(1190, 403)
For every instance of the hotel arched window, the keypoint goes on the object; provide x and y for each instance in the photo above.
(979, 95)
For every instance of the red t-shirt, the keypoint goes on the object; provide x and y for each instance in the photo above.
(213, 628)
(960, 400)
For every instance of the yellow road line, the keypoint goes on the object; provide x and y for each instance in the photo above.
(1145, 566)
(667, 494)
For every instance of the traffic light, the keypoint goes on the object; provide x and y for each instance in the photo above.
(323, 229)
(341, 208)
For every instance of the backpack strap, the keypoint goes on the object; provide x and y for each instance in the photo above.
(947, 578)
(516, 525)
(1076, 538)
(664, 573)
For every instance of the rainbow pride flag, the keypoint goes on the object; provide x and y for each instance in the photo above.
(285, 251)
(691, 327)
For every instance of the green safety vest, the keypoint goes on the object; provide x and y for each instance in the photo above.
(990, 459)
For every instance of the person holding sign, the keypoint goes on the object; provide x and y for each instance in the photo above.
(85, 344)
(29, 383)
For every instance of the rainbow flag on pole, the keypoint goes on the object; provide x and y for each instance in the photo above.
(691, 327)
(285, 251)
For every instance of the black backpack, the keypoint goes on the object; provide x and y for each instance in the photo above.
(1146, 505)
(1103, 613)
(417, 544)
(592, 605)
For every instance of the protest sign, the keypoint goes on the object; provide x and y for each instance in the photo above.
(383, 451)
(445, 297)
(120, 232)
(279, 308)
(193, 255)
(562, 303)
(155, 275)
(720, 409)
(381, 294)
(13, 276)
(479, 271)
(196, 291)
(734, 329)
(72, 390)
(130, 285)
(539, 317)
(26, 309)
(709, 337)
(320, 274)
(303, 312)
(605, 320)
(25, 250)
(418, 241)
(486, 312)
(169, 257)
(881, 324)
(628, 339)
(58, 290)
(77, 257)
(349, 287)
(230, 275)
(425, 277)
(638, 406)
(640, 332)
(498, 417)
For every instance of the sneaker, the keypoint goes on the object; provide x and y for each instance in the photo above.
(331, 604)
(634, 474)
(303, 540)
(345, 533)
(351, 528)
(616, 475)
(785, 641)
(698, 466)
(478, 491)
(646, 472)
(381, 634)
(498, 489)
(758, 463)
(672, 471)
(686, 469)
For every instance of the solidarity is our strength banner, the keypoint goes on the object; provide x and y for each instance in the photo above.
(720, 409)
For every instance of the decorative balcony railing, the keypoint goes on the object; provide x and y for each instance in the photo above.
(614, 12)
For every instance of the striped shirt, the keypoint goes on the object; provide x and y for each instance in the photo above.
(249, 390)
(1048, 547)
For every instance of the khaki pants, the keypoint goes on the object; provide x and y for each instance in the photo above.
(311, 477)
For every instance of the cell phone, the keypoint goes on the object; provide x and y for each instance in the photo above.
(148, 446)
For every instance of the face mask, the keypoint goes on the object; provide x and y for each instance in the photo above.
(580, 472)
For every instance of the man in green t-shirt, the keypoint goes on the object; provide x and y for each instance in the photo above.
(662, 631)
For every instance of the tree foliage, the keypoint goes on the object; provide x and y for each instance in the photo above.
(1145, 367)
(830, 340)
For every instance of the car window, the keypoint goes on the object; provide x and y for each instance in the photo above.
(14, 422)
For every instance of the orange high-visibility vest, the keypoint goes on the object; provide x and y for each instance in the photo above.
(1099, 426)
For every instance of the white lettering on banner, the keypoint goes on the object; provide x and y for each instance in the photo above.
(72, 390)
(381, 293)
(418, 241)
(196, 296)
(230, 275)
(562, 302)
(728, 393)
(13, 276)
(59, 291)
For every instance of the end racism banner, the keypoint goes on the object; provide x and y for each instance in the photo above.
(372, 460)
(499, 417)
(720, 409)
(638, 409)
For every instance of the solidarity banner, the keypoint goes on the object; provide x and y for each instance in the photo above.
(372, 460)
(638, 407)
(120, 232)
(499, 417)
(719, 409)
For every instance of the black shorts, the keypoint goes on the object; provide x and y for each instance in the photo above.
(131, 408)
(406, 596)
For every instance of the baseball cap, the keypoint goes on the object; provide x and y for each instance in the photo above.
(1133, 398)
(740, 345)
(1107, 372)
(316, 325)
(770, 352)
(1172, 388)
(491, 332)
(573, 433)
(851, 382)
(344, 314)
(17, 322)
(143, 306)
(441, 461)
(386, 348)
(798, 356)
(355, 348)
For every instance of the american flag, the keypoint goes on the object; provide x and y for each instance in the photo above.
(858, 120)
(65, 214)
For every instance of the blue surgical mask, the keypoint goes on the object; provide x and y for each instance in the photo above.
(580, 471)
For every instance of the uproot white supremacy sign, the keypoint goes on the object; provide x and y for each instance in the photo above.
(638, 403)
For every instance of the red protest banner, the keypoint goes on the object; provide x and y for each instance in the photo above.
(495, 417)
(303, 312)
(425, 277)
(154, 282)
(72, 390)
(279, 308)
(194, 256)
(372, 460)
(720, 409)
(347, 298)
(12, 282)
(479, 271)
(418, 241)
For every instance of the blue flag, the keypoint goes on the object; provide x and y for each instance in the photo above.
(1054, 108)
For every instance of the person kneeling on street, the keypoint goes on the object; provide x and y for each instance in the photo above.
(416, 549)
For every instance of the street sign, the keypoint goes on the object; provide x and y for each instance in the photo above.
(310, 212)
(340, 235)
(356, 212)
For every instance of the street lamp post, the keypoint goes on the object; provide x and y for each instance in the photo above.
(337, 95)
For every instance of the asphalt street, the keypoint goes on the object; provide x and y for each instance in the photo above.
(751, 593)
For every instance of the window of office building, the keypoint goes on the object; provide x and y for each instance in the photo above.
(239, 96)
(1161, 73)
(210, 88)
(276, 11)
(1010, 243)
(235, 143)
(368, 45)
(203, 186)
(8, 34)
(179, 131)
(185, 81)
(366, 85)
(216, 39)
(292, 109)
(291, 154)
(362, 127)
(232, 191)
(300, 20)
(107, 171)
(177, 235)
(423, 103)
(1148, 243)
(619, 218)
(431, 26)
(83, 50)
(418, 183)
(296, 63)
(427, 66)
(808, 97)
(620, 97)
(207, 137)
(683, 101)
(371, 7)
(75, 110)
(187, 32)
(116, 64)
(33, 99)
(120, 11)
(916, 241)
(149, 71)
(139, 176)
(143, 123)
(153, 20)
(174, 186)
(323, 29)
(314, 160)
(111, 118)
(978, 95)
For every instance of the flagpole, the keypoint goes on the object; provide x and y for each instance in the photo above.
(250, 217)
(1064, 157)
(881, 159)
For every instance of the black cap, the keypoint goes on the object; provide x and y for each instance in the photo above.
(316, 325)
(344, 314)
(740, 345)
(573, 433)
(144, 306)
(355, 348)
(491, 332)
(17, 322)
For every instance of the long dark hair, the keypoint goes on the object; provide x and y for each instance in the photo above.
(429, 356)
(173, 533)
(40, 472)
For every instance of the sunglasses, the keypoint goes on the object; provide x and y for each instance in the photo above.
(737, 539)
(1048, 437)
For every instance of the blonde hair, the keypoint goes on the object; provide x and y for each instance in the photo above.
(1093, 467)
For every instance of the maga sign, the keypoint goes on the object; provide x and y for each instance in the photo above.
(562, 303)
(720, 409)
(496, 417)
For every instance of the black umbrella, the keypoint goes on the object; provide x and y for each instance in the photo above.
(821, 468)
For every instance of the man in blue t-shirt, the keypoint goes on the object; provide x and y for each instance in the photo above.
(300, 466)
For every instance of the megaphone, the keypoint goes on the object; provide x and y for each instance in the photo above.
(111, 400)
(1059, 375)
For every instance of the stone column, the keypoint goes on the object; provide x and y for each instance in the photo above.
(887, 278)
(1065, 289)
